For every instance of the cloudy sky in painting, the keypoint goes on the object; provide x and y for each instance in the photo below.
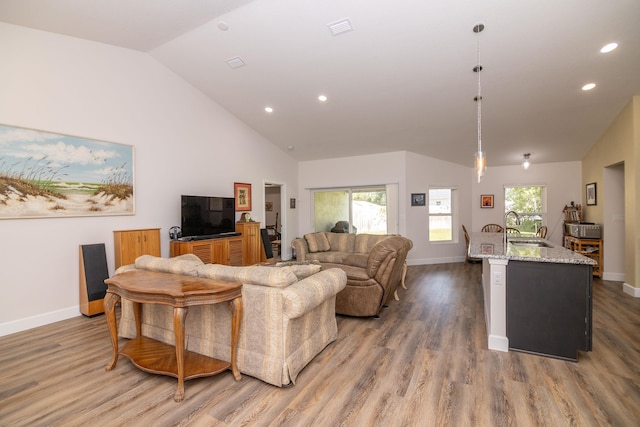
(31, 154)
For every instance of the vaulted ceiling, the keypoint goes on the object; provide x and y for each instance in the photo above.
(401, 78)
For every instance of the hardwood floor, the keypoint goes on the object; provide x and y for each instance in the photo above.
(423, 363)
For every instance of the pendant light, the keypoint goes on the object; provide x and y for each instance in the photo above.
(480, 163)
(525, 163)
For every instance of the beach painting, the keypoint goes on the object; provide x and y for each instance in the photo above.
(44, 174)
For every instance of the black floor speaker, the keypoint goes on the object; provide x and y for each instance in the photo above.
(93, 272)
(266, 243)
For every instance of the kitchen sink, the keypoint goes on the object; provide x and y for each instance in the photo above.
(530, 243)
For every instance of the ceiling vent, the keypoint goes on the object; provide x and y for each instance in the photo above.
(340, 27)
(236, 62)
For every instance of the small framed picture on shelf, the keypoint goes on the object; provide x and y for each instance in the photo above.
(486, 201)
(242, 193)
(418, 199)
(592, 197)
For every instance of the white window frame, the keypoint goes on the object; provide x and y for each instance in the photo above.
(455, 235)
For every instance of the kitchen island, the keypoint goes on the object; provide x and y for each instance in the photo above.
(537, 295)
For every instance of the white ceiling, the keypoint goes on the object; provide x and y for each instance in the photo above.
(401, 80)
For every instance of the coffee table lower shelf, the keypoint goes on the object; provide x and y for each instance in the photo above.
(159, 358)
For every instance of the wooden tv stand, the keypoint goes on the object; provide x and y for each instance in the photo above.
(235, 250)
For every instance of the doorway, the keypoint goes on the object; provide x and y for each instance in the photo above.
(273, 218)
(614, 223)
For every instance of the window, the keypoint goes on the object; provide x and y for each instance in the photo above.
(362, 209)
(442, 215)
(529, 202)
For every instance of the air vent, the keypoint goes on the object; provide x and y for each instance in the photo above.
(236, 62)
(340, 27)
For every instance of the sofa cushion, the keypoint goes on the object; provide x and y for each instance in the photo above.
(253, 275)
(341, 242)
(184, 264)
(317, 242)
(356, 260)
(365, 242)
(328, 256)
(301, 269)
(356, 274)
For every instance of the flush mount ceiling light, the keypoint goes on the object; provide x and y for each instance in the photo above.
(268, 109)
(322, 98)
(235, 62)
(609, 47)
(588, 86)
(526, 163)
(480, 163)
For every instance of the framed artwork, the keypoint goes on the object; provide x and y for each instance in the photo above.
(486, 201)
(46, 174)
(242, 194)
(592, 197)
(486, 248)
(418, 199)
(268, 206)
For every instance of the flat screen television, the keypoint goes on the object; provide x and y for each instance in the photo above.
(207, 217)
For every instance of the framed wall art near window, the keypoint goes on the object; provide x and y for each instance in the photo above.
(46, 174)
(486, 201)
(418, 199)
(592, 196)
(242, 193)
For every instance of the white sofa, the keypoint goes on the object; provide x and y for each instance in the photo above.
(288, 315)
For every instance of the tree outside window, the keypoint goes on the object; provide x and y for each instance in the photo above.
(530, 204)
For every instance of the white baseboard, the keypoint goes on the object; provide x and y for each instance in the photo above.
(427, 261)
(631, 290)
(616, 277)
(39, 320)
(498, 343)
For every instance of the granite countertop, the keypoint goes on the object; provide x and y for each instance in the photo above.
(491, 245)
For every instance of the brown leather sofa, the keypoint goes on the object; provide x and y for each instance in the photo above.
(374, 265)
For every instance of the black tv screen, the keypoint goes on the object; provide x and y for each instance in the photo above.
(207, 216)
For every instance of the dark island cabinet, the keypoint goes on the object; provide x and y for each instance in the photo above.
(549, 308)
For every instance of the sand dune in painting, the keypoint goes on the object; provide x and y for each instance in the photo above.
(14, 204)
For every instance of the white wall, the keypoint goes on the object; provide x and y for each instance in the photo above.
(416, 174)
(376, 169)
(412, 172)
(563, 181)
(184, 143)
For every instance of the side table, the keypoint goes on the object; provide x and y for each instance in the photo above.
(180, 292)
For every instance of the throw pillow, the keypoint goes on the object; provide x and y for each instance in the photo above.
(184, 264)
(251, 275)
(317, 242)
(301, 269)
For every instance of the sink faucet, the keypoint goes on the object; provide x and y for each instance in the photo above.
(505, 225)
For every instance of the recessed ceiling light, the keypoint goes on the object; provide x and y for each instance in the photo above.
(322, 98)
(588, 86)
(223, 26)
(268, 109)
(608, 48)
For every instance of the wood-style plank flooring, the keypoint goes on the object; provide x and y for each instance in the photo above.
(423, 363)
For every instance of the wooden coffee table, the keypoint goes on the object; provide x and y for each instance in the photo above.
(180, 292)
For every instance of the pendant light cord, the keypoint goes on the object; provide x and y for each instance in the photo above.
(479, 97)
